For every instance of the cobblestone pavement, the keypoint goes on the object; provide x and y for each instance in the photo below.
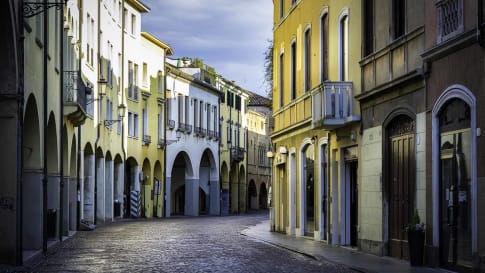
(183, 244)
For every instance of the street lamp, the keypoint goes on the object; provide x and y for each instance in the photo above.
(121, 114)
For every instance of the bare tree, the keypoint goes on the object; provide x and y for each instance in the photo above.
(268, 69)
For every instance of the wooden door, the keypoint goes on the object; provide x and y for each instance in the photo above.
(401, 183)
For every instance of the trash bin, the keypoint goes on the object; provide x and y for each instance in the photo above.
(117, 208)
(51, 223)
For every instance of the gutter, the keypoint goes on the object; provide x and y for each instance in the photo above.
(45, 144)
(100, 105)
(61, 123)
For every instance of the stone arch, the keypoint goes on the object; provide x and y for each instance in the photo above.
(242, 189)
(132, 188)
(181, 172)
(263, 196)
(52, 150)
(458, 92)
(118, 181)
(208, 184)
(225, 188)
(145, 188)
(31, 136)
(252, 195)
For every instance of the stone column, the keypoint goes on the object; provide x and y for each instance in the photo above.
(88, 188)
(168, 196)
(109, 194)
(100, 189)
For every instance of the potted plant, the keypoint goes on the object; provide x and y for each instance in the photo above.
(415, 231)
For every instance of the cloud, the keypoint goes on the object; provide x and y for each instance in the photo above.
(229, 35)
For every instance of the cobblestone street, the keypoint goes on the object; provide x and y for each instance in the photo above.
(179, 244)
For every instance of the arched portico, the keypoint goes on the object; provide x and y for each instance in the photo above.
(132, 188)
(209, 184)
(184, 190)
(225, 189)
(158, 190)
(146, 187)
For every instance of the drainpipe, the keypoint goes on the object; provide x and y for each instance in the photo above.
(164, 139)
(45, 94)
(61, 123)
(78, 163)
(20, 126)
(480, 23)
(100, 105)
(327, 214)
(122, 83)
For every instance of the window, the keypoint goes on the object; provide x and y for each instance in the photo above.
(120, 12)
(238, 102)
(281, 78)
(109, 112)
(131, 83)
(161, 82)
(282, 8)
(196, 113)
(133, 24)
(181, 109)
(344, 48)
(293, 2)
(398, 17)
(125, 15)
(145, 75)
(132, 124)
(324, 47)
(450, 18)
(201, 114)
(368, 27)
(160, 122)
(118, 125)
(293, 71)
(145, 118)
(307, 59)
(187, 110)
(215, 118)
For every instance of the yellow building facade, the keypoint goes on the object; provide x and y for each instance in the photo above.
(316, 132)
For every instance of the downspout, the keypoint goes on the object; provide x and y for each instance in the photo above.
(219, 151)
(164, 174)
(61, 123)
(122, 83)
(44, 170)
(238, 140)
(20, 126)
(327, 207)
(78, 163)
(98, 127)
(480, 23)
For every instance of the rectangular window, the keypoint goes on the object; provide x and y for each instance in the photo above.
(196, 113)
(133, 24)
(216, 118)
(368, 27)
(135, 125)
(208, 120)
(187, 110)
(282, 8)
(181, 109)
(344, 48)
(450, 19)
(125, 16)
(161, 82)
(281, 79)
(168, 103)
(293, 71)
(145, 118)
(131, 84)
(398, 20)
(307, 59)
(324, 49)
(145, 75)
(130, 124)
(201, 114)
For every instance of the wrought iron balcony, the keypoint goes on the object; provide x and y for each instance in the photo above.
(199, 131)
(188, 128)
(237, 154)
(332, 105)
(75, 97)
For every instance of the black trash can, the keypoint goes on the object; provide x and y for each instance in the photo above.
(117, 208)
(51, 223)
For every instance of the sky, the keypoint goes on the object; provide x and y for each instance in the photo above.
(229, 35)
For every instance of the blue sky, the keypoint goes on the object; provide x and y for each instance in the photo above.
(229, 35)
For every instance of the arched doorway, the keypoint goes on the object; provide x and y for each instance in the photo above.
(184, 198)
(132, 188)
(233, 189)
(225, 189)
(32, 176)
(158, 191)
(401, 182)
(146, 187)
(100, 186)
(263, 196)
(53, 180)
(252, 195)
(209, 183)
(87, 213)
(109, 187)
(242, 189)
(203, 202)
(73, 203)
(118, 189)
(307, 193)
(455, 185)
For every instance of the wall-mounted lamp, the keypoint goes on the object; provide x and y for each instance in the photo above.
(314, 139)
(121, 113)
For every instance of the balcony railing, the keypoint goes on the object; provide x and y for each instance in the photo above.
(199, 131)
(332, 104)
(75, 97)
(237, 154)
(147, 139)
